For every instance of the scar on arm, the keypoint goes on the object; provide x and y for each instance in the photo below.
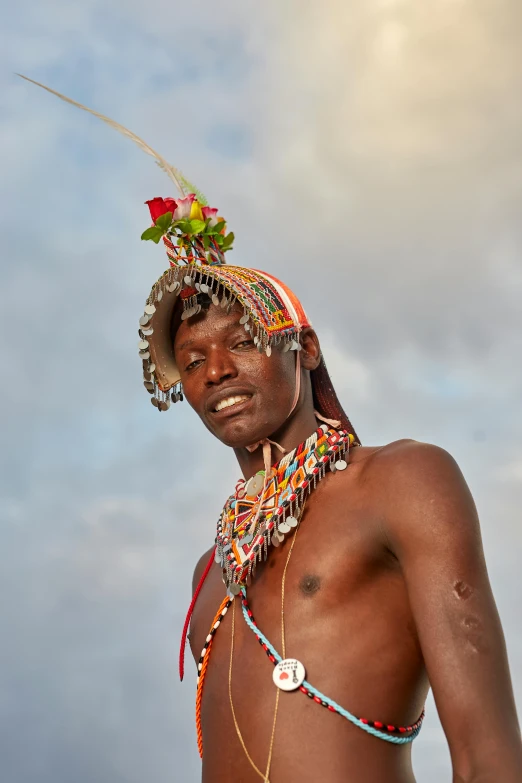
(470, 624)
(474, 634)
(462, 590)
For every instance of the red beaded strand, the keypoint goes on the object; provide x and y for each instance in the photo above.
(189, 615)
(387, 727)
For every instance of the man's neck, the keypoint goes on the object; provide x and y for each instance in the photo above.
(293, 432)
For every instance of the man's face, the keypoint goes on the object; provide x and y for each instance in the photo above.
(241, 395)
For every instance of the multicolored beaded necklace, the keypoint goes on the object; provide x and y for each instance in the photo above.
(266, 507)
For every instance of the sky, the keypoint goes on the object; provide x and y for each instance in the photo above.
(368, 153)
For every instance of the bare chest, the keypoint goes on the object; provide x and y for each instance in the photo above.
(333, 561)
(332, 598)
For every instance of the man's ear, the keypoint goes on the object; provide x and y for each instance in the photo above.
(311, 350)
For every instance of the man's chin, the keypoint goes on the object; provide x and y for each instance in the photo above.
(238, 434)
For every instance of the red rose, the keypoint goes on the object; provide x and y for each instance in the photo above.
(158, 206)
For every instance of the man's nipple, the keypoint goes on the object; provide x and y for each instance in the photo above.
(310, 584)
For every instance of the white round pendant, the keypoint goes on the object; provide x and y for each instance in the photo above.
(289, 674)
(340, 464)
(254, 485)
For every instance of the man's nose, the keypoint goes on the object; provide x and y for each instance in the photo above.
(219, 366)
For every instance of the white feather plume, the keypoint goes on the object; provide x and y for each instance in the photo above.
(171, 171)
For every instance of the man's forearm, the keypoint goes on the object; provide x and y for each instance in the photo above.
(503, 764)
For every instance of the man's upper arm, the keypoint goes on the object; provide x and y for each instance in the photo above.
(432, 527)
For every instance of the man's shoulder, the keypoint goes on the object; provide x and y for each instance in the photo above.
(413, 455)
(405, 468)
(408, 480)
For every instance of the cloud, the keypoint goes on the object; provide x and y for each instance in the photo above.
(512, 471)
(367, 153)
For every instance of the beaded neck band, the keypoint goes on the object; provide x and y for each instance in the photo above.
(264, 509)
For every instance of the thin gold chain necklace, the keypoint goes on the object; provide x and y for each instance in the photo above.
(264, 776)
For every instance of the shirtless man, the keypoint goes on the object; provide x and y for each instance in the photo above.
(387, 593)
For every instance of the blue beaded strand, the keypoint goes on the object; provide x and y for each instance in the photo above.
(330, 702)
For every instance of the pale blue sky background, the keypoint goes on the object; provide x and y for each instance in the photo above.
(370, 153)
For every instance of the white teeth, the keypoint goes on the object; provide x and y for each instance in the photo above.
(230, 401)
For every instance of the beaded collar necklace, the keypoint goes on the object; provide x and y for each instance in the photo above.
(265, 508)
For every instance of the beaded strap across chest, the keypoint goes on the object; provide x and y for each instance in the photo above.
(398, 735)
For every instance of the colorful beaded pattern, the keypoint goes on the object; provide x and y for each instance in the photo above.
(259, 296)
(379, 729)
(249, 524)
(194, 252)
(203, 665)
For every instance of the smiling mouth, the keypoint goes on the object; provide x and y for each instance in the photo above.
(229, 402)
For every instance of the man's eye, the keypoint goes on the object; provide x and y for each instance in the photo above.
(193, 365)
(244, 344)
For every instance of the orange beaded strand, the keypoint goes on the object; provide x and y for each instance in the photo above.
(203, 665)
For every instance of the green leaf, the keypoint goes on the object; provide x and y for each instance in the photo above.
(154, 233)
(219, 239)
(206, 241)
(164, 221)
(228, 241)
(218, 228)
(184, 226)
(197, 226)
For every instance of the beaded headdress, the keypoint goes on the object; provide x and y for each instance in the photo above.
(196, 240)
